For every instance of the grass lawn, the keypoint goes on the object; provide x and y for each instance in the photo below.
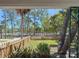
(34, 43)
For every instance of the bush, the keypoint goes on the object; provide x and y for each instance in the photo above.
(42, 51)
(26, 53)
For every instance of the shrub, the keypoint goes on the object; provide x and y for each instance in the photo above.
(43, 50)
(26, 53)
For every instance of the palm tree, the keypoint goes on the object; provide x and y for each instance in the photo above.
(22, 12)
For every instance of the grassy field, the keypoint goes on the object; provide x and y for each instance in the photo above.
(34, 43)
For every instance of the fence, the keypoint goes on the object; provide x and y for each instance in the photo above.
(7, 47)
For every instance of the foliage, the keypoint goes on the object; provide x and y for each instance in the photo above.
(37, 20)
(42, 50)
(56, 22)
(34, 42)
(37, 17)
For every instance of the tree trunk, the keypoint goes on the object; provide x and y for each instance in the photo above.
(63, 34)
(68, 40)
(28, 24)
(34, 24)
(1, 33)
(5, 23)
(12, 27)
(22, 27)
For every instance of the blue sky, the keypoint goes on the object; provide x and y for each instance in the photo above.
(1, 13)
(51, 12)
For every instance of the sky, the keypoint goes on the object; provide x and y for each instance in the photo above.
(51, 12)
(1, 13)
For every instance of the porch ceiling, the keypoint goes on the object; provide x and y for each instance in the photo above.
(38, 3)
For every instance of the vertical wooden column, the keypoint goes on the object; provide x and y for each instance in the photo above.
(69, 17)
(77, 46)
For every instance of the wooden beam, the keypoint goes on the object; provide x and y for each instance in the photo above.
(38, 3)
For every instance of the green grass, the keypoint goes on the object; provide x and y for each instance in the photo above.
(34, 43)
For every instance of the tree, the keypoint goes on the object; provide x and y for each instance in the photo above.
(1, 28)
(8, 16)
(65, 42)
(56, 22)
(36, 17)
(22, 12)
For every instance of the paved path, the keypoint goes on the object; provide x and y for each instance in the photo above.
(53, 51)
